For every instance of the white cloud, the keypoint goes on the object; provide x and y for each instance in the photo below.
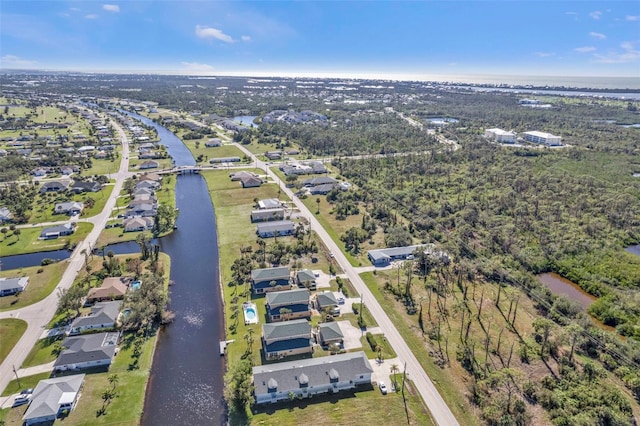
(74, 9)
(196, 67)
(246, 38)
(633, 18)
(599, 36)
(628, 54)
(208, 32)
(13, 61)
(91, 16)
(585, 49)
(111, 8)
(544, 54)
(596, 14)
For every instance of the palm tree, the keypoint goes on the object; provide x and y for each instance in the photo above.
(113, 380)
(394, 370)
(318, 203)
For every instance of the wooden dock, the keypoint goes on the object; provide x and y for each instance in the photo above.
(223, 346)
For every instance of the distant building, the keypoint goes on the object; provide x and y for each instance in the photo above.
(70, 208)
(269, 203)
(214, 142)
(5, 215)
(383, 257)
(225, 160)
(57, 231)
(266, 215)
(542, 138)
(55, 186)
(500, 136)
(151, 164)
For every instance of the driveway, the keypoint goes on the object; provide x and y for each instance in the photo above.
(382, 371)
(352, 335)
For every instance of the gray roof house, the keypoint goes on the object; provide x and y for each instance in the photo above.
(271, 229)
(90, 350)
(323, 180)
(306, 278)
(213, 142)
(251, 182)
(326, 299)
(137, 224)
(85, 186)
(383, 257)
(55, 186)
(70, 208)
(266, 215)
(294, 302)
(269, 203)
(57, 231)
(329, 332)
(323, 189)
(308, 377)
(150, 164)
(261, 279)
(142, 210)
(102, 315)
(52, 397)
(288, 338)
(13, 285)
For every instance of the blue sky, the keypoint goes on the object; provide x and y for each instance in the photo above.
(364, 38)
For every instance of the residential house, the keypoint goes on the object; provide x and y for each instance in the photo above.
(240, 175)
(251, 182)
(52, 398)
(39, 172)
(66, 170)
(142, 210)
(149, 176)
(102, 315)
(273, 229)
(214, 142)
(281, 339)
(269, 203)
(5, 215)
(308, 377)
(135, 224)
(273, 155)
(150, 164)
(266, 215)
(287, 305)
(112, 288)
(143, 191)
(55, 186)
(89, 350)
(270, 279)
(329, 333)
(147, 184)
(292, 152)
(57, 231)
(323, 180)
(327, 300)
(13, 285)
(71, 208)
(306, 278)
(225, 160)
(323, 189)
(383, 257)
(80, 186)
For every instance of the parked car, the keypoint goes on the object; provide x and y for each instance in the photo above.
(26, 391)
(383, 388)
(340, 300)
(21, 399)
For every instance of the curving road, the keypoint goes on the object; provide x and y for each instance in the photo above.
(39, 314)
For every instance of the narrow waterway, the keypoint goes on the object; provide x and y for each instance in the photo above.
(185, 387)
(562, 286)
(186, 383)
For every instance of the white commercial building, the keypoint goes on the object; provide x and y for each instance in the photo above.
(500, 136)
(542, 138)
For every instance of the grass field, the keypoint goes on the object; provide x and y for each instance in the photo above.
(43, 205)
(42, 352)
(28, 242)
(11, 330)
(40, 284)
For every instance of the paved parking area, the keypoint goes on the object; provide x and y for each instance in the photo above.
(382, 371)
(352, 335)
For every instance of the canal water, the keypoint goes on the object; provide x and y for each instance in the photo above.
(246, 120)
(186, 383)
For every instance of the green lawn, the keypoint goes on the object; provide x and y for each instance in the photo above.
(28, 242)
(42, 352)
(41, 284)
(25, 382)
(43, 205)
(367, 406)
(11, 330)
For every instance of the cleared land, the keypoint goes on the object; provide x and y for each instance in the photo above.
(11, 329)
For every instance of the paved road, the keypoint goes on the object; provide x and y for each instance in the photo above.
(439, 409)
(39, 314)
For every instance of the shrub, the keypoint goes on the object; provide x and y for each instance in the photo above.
(372, 342)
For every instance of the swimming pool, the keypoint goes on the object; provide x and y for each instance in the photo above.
(250, 313)
(135, 285)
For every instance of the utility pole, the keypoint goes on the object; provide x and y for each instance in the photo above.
(16, 373)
